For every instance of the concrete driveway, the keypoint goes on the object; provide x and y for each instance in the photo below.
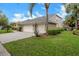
(3, 51)
(9, 37)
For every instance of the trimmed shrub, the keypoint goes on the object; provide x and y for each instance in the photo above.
(55, 31)
(76, 32)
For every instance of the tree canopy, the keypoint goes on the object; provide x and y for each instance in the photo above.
(3, 19)
(73, 10)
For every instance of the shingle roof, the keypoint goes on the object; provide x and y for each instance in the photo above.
(38, 20)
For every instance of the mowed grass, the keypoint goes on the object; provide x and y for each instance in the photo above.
(64, 44)
(5, 31)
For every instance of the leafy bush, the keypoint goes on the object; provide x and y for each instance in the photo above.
(5, 31)
(55, 31)
(76, 32)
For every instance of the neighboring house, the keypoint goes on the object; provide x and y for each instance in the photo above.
(15, 26)
(54, 21)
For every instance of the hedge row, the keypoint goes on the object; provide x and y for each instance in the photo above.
(55, 31)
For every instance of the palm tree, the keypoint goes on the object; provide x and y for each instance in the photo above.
(35, 30)
(72, 9)
(46, 7)
(46, 24)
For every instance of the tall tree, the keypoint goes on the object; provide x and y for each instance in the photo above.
(46, 7)
(70, 22)
(3, 19)
(72, 9)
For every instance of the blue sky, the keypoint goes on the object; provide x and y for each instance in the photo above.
(20, 12)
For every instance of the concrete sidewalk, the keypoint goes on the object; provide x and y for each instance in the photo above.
(3, 51)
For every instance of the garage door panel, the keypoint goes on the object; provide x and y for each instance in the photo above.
(28, 28)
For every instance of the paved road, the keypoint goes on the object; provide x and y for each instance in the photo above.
(3, 51)
(8, 37)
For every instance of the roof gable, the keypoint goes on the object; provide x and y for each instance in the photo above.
(51, 18)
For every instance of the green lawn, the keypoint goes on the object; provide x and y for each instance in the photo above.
(63, 44)
(5, 31)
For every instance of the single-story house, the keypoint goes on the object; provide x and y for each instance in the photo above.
(54, 21)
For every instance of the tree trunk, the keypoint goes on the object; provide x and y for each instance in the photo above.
(76, 24)
(76, 19)
(46, 24)
(35, 30)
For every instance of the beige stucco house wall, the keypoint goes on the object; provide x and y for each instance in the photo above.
(30, 28)
(41, 28)
(54, 22)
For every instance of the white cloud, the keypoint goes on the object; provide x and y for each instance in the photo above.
(63, 8)
(20, 17)
(33, 16)
(38, 14)
(62, 11)
(28, 13)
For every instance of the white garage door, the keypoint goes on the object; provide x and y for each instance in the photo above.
(28, 28)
